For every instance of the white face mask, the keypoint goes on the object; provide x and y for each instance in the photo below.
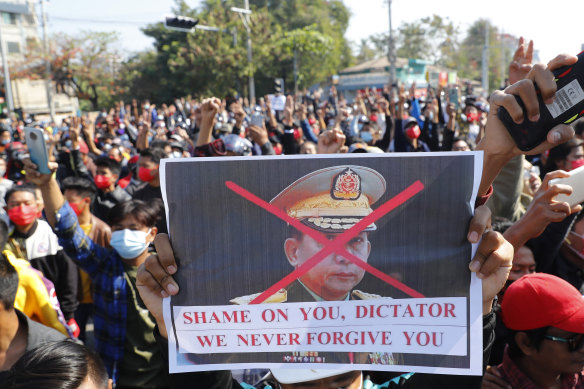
(129, 243)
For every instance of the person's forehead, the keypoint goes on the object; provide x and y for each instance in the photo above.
(129, 220)
(334, 235)
(524, 257)
(103, 169)
(21, 195)
(71, 194)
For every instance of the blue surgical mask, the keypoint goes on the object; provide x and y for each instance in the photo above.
(129, 243)
(366, 136)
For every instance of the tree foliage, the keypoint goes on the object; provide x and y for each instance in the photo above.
(83, 66)
(439, 41)
(205, 62)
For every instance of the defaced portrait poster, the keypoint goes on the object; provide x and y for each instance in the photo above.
(324, 262)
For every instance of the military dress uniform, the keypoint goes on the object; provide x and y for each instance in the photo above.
(329, 200)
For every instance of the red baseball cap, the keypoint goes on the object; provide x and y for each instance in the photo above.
(541, 300)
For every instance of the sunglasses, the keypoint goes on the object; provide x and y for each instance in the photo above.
(575, 343)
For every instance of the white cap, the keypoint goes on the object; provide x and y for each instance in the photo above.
(294, 376)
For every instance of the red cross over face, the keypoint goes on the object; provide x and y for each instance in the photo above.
(336, 246)
(334, 276)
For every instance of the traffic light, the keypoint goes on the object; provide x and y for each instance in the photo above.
(180, 23)
(279, 85)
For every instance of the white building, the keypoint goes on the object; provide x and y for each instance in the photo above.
(20, 27)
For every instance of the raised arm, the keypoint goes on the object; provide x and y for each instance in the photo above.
(209, 109)
(49, 187)
(497, 144)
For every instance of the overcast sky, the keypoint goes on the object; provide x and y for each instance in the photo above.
(551, 33)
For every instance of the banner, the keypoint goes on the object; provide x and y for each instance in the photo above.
(324, 261)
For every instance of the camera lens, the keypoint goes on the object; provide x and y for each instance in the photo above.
(33, 136)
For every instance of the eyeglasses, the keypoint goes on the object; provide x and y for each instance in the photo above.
(575, 343)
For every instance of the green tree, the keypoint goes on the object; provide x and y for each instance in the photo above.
(365, 52)
(469, 57)
(83, 66)
(205, 63)
(301, 44)
(413, 40)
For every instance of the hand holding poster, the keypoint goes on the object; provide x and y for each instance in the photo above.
(326, 261)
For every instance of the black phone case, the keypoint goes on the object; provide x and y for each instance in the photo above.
(528, 134)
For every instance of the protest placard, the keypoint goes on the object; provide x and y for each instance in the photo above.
(278, 102)
(324, 261)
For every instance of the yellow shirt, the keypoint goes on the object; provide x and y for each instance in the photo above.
(86, 292)
(32, 297)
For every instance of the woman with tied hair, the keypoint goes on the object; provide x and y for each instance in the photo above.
(58, 365)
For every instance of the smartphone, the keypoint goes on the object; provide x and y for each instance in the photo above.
(257, 119)
(454, 97)
(566, 108)
(37, 148)
(576, 181)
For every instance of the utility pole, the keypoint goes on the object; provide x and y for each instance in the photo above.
(391, 51)
(503, 60)
(295, 70)
(485, 64)
(7, 84)
(249, 55)
(47, 63)
(244, 13)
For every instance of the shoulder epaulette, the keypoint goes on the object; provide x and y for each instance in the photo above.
(280, 296)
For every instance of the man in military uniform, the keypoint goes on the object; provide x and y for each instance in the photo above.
(330, 201)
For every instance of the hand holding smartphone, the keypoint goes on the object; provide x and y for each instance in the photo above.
(576, 181)
(566, 108)
(37, 148)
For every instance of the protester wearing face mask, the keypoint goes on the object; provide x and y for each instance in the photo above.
(567, 156)
(150, 192)
(79, 193)
(5, 140)
(33, 239)
(117, 305)
(408, 140)
(109, 194)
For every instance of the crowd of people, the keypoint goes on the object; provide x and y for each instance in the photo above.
(82, 244)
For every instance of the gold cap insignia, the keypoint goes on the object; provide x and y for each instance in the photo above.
(346, 185)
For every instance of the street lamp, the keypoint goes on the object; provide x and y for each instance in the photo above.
(246, 11)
